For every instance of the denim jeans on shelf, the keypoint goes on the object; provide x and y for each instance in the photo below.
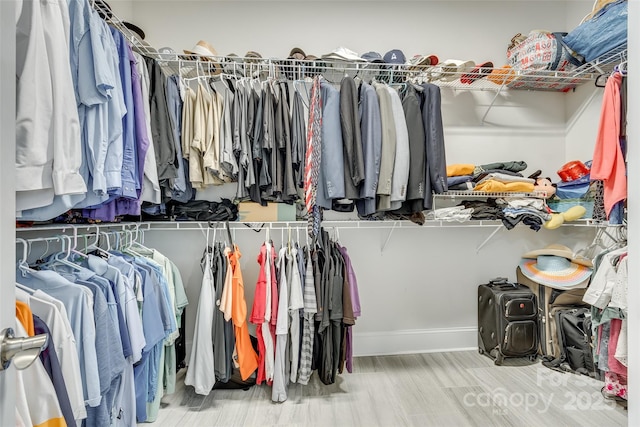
(605, 31)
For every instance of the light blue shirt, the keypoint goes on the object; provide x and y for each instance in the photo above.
(80, 313)
(128, 298)
(99, 102)
(116, 289)
(110, 359)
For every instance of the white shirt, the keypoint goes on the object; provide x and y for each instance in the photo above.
(48, 145)
(296, 302)
(36, 399)
(601, 287)
(65, 346)
(201, 371)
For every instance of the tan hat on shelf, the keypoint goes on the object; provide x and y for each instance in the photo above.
(205, 52)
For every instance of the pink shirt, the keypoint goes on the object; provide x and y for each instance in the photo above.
(608, 162)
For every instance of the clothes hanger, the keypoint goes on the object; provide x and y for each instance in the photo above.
(40, 259)
(74, 250)
(25, 288)
(621, 68)
(25, 252)
(231, 244)
(95, 246)
(127, 246)
(601, 80)
(62, 257)
(106, 236)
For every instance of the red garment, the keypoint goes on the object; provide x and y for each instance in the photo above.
(258, 312)
(247, 357)
(608, 161)
(260, 294)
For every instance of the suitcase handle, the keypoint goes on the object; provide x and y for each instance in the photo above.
(501, 281)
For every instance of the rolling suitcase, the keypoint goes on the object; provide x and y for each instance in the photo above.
(507, 320)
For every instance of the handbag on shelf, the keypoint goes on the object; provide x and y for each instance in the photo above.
(542, 51)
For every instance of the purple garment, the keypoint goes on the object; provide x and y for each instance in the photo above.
(51, 364)
(353, 283)
(110, 210)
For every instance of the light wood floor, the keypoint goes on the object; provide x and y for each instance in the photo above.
(437, 389)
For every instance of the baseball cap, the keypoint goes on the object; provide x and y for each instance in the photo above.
(395, 56)
(372, 57)
(422, 60)
(342, 53)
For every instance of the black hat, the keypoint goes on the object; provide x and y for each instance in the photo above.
(135, 29)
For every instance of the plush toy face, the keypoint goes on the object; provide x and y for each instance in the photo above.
(545, 184)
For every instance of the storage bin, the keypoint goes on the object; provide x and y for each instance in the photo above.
(562, 205)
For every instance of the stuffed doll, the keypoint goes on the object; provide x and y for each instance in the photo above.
(557, 219)
(543, 184)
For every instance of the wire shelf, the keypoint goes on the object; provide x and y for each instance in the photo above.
(481, 194)
(197, 66)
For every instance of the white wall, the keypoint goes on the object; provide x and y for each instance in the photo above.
(475, 30)
(123, 9)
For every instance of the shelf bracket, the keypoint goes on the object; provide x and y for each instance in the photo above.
(384, 245)
(498, 228)
(493, 101)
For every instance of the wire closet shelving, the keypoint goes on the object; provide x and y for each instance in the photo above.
(196, 66)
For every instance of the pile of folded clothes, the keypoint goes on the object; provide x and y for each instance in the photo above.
(489, 178)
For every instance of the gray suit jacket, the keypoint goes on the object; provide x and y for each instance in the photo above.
(401, 163)
(371, 133)
(388, 154)
(415, 127)
(436, 167)
(331, 177)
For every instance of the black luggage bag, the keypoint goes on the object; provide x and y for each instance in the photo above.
(507, 320)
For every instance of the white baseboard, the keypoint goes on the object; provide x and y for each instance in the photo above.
(408, 341)
(415, 341)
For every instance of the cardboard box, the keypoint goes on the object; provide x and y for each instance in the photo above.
(254, 212)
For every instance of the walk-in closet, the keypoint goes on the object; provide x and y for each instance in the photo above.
(248, 213)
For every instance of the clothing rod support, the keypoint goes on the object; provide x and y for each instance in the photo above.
(489, 238)
(388, 236)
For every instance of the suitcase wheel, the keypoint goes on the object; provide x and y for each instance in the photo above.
(481, 351)
(533, 357)
(498, 360)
